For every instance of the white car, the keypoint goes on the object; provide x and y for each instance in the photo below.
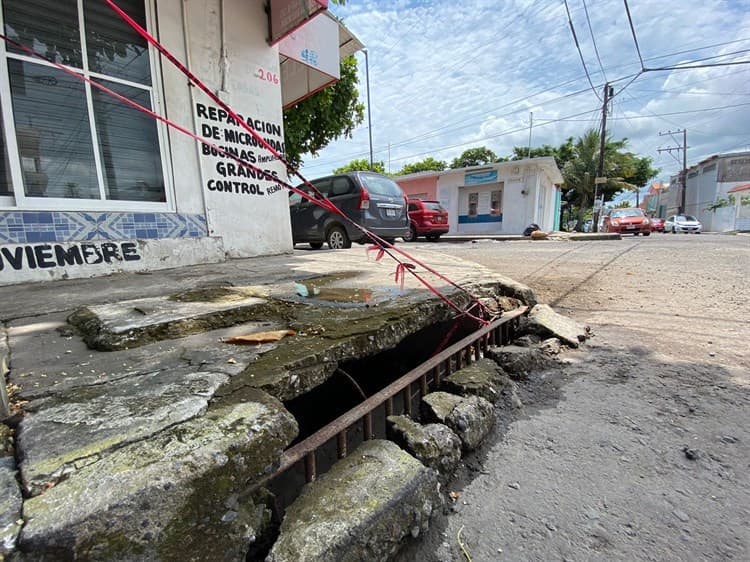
(682, 223)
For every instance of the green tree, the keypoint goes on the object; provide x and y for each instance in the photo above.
(333, 112)
(562, 154)
(427, 165)
(363, 165)
(474, 157)
(623, 205)
(625, 170)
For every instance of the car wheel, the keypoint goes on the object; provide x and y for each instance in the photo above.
(674, 231)
(647, 234)
(433, 237)
(635, 234)
(337, 239)
(316, 245)
(412, 235)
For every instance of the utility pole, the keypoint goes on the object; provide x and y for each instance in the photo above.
(369, 119)
(683, 173)
(608, 93)
(531, 125)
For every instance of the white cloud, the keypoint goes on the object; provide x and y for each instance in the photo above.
(447, 76)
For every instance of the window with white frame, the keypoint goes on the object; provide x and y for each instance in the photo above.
(71, 140)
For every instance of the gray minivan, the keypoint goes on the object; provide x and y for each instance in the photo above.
(371, 200)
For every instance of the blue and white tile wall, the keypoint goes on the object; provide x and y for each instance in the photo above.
(24, 227)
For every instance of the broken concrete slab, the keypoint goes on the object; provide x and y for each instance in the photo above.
(50, 360)
(10, 506)
(302, 362)
(482, 378)
(434, 444)
(136, 322)
(364, 508)
(470, 418)
(179, 495)
(518, 361)
(58, 436)
(544, 320)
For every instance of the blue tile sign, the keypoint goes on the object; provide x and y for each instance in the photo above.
(474, 178)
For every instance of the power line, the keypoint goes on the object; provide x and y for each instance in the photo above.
(593, 40)
(632, 29)
(680, 66)
(703, 110)
(578, 47)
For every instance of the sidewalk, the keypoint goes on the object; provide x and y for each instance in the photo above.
(128, 399)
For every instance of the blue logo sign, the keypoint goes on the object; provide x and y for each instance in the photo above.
(474, 178)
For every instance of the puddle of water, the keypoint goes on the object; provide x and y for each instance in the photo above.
(334, 294)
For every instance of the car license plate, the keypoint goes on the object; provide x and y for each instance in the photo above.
(390, 212)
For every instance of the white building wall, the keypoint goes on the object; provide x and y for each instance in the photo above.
(211, 211)
(528, 196)
(248, 213)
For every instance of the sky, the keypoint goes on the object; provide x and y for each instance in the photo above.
(446, 76)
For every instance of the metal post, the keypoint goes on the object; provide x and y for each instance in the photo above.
(369, 118)
(602, 143)
(684, 169)
(531, 125)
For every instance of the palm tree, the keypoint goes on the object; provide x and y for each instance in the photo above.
(581, 170)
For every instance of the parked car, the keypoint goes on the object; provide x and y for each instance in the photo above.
(426, 218)
(657, 224)
(369, 199)
(626, 221)
(682, 223)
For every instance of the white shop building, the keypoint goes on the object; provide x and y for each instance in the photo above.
(501, 198)
(89, 185)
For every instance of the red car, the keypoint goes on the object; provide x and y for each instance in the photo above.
(428, 219)
(627, 221)
(657, 224)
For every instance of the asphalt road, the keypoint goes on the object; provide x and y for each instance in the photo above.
(637, 447)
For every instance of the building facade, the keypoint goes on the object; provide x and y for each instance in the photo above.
(709, 183)
(89, 185)
(500, 198)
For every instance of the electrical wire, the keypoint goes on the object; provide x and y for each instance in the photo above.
(632, 29)
(681, 65)
(578, 48)
(593, 40)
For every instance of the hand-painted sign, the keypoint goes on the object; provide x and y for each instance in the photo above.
(475, 178)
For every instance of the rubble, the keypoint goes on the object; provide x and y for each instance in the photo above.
(364, 508)
(434, 444)
(470, 418)
(544, 320)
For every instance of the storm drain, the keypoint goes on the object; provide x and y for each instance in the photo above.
(352, 406)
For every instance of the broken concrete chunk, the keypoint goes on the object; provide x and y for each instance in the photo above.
(75, 430)
(482, 378)
(519, 361)
(10, 506)
(364, 508)
(180, 495)
(544, 320)
(434, 444)
(437, 406)
(132, 323)
(470, 418)
(551, 346)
